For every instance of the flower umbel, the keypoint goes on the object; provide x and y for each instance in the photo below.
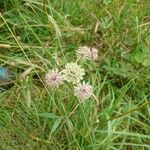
(53, 78)
(85, 52)
(83, 91)
(73, 73)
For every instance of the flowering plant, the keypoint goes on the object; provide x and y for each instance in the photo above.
(74, 73)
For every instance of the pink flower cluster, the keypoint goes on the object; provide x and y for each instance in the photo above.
(85, 52)
(73, 73)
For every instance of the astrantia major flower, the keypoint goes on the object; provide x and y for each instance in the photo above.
(53, 78)
(73, 73)
(83, 91)
(85, 52)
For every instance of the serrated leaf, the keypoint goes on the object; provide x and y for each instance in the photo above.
(142, 56)
(121, 68)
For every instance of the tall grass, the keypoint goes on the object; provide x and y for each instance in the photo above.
(41, 35)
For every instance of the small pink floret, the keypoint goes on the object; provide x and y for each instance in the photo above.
(83, 91)
(53, 78)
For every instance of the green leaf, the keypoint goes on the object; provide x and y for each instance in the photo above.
(55, 126)
(49, 115)
(142, 56)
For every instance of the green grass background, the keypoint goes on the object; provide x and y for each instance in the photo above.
(44, 34)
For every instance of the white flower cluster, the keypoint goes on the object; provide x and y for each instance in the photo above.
(73, 73)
